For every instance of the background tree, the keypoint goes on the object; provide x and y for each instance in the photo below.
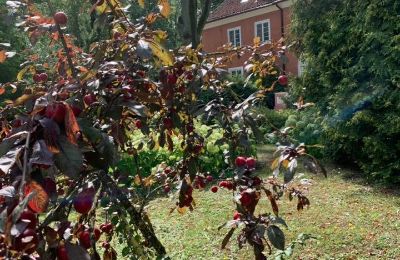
(352, 74)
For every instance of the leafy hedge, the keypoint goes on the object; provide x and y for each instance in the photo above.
(352, 50)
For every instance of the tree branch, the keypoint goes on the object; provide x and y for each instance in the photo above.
(203, 18)
(137, 218)
(193, 22)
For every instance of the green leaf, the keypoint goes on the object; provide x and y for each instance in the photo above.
(9, 142)
(276, 236)
(76, 252)
(10, 158)
(227, 238)
(136, 108)
(70, 159)
(21, 206)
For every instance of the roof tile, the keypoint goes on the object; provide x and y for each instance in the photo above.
(233, 7)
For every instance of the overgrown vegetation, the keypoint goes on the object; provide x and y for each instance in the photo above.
(351, 49)
(81, 109)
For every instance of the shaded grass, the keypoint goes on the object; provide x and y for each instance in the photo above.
(350, 219)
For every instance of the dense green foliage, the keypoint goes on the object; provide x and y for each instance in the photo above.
(352, 50)
(9, 34)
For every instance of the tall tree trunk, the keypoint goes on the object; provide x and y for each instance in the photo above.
(189, 26)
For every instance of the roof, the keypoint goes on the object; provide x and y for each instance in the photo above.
(234, 7)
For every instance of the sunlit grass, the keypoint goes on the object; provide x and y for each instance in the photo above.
(350, 219)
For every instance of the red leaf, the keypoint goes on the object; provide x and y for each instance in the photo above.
(71, 125)
(40, 199)
(3, 56)
(273, 202)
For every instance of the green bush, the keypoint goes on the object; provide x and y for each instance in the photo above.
(352, 50)
(212, 159)
(270, 119)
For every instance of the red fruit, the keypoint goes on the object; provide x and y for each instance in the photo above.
(199, 182)
(106, 227)
(43, 77)
(256, 181)
(189, 128)
(56, 111)
(209, 178)
(236, 215)
(50, 186)
(76, 110)
(62, 253)
(214, 189)
(168, 123)
(229, 185)
(36, 77)
(251, 163)
(89, 99)
(109, 228)
(97, 233)
(84, 201)
(283, 80)
(167, 170)
(246, 198)
(171, 79)
(62, 96)
(106, 245)
(138, 124)
(16, 123)
(29, 217)
(117, 35)
(167, 188)
(182, 89)
(197, 149)
(27, 241)
(223, 184)
(60, 191)
(60, 18)
(240, 161)
(189, 76)
(141, 73)
(84, 239)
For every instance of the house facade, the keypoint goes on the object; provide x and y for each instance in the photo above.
(240, 21)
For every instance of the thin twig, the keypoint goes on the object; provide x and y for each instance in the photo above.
(25, 166)
(92, 214)
(65, 46)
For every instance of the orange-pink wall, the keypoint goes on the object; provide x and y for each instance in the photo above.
(216, 37)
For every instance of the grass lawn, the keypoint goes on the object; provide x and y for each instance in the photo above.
(351, 220)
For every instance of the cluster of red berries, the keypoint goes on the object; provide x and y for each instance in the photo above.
(83, 234)
(40, 77)
(248, 162)
(201, 181)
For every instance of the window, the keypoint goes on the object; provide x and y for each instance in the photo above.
(236, 72)
(301, 67)
(234, 36)
(263, 30)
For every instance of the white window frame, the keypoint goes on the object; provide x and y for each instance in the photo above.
(231, 70)
(301, 65)
(269, 29)
(240, 35)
